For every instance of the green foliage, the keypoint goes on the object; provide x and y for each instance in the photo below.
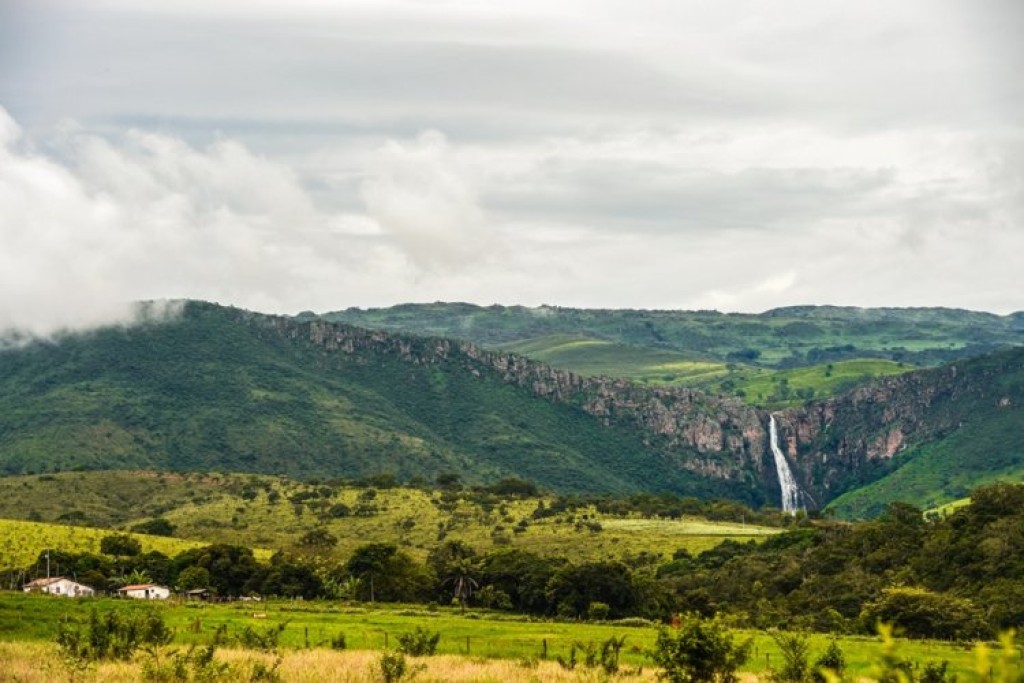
(796, 657)
(318, 538)
(120, 545)
(392, 666)
(155, 527)
(920, 613)
(222, 389)
(419, 642)
(832, 662)
(610, 650)
(112, 635)
(193, 665)
(265, 639)
(699, 651)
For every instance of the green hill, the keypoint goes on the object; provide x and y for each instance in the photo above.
(784, 337)
(275, 513)
(599, 357)
(225, 390)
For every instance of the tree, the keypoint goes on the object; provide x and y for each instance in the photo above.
(155, 527)
(920, 613)
(120, 545)
(193, 578)
(574, 587)
(796, 658)
(700, 651)
(318, 538)
(388, 574)
(462, 582)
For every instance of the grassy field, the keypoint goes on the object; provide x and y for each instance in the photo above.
(259, 512)
(593, 357)
(21, 542)
(26, 622)
(794, 386)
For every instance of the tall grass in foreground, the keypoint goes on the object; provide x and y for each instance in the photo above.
(41, 663)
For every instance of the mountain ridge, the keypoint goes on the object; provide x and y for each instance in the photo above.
(224, 389)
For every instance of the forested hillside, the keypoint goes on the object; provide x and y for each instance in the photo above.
(221, 389)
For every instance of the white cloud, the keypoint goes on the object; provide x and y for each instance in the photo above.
(284, 156)
(417, 193)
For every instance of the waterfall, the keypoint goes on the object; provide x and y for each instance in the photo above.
(790, 491)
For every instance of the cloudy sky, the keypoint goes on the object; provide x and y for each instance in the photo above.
(284, 155)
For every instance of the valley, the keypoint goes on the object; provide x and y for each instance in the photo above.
(367, 473)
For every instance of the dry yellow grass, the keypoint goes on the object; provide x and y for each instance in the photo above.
(40, 663)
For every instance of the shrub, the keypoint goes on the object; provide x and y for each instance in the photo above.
(194, 664)
(418, 643)
(392, 667)
(598, 611)
(796, 667)
(920, 613)
(700, 651)
(111, 636)
(266, 640)
(832, 660)
(338, 642)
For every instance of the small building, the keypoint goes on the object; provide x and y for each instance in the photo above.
(59, 585)
(145, 591)
(198, 594)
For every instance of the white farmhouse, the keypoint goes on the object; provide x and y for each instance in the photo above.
(145, 591)
(58, 585)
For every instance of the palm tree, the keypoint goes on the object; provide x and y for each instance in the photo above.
(462, 581)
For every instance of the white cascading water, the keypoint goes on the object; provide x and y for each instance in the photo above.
(790, 491)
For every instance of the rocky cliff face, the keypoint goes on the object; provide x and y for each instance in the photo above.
(831, 445)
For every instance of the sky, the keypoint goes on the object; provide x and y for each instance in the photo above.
(302, 155)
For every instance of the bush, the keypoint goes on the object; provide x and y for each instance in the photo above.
(700, 651)
(392, 667)
(832, 660)
(194, 664)
(920, 613)
(598, 611)
(796, 666)
(418, 643)
(266, 640)
(111, 636)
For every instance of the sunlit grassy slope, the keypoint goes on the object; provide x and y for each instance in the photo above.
(793, 386)
(590, 356)
(756, 385)
(21, 541)
(274, 513)
(943, 471)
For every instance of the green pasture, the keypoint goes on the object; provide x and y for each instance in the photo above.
(21, 542)
(794, 386)
(259, 512)
(489, 635)
(596, 357)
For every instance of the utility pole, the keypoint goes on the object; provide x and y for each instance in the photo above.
(47, 563)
